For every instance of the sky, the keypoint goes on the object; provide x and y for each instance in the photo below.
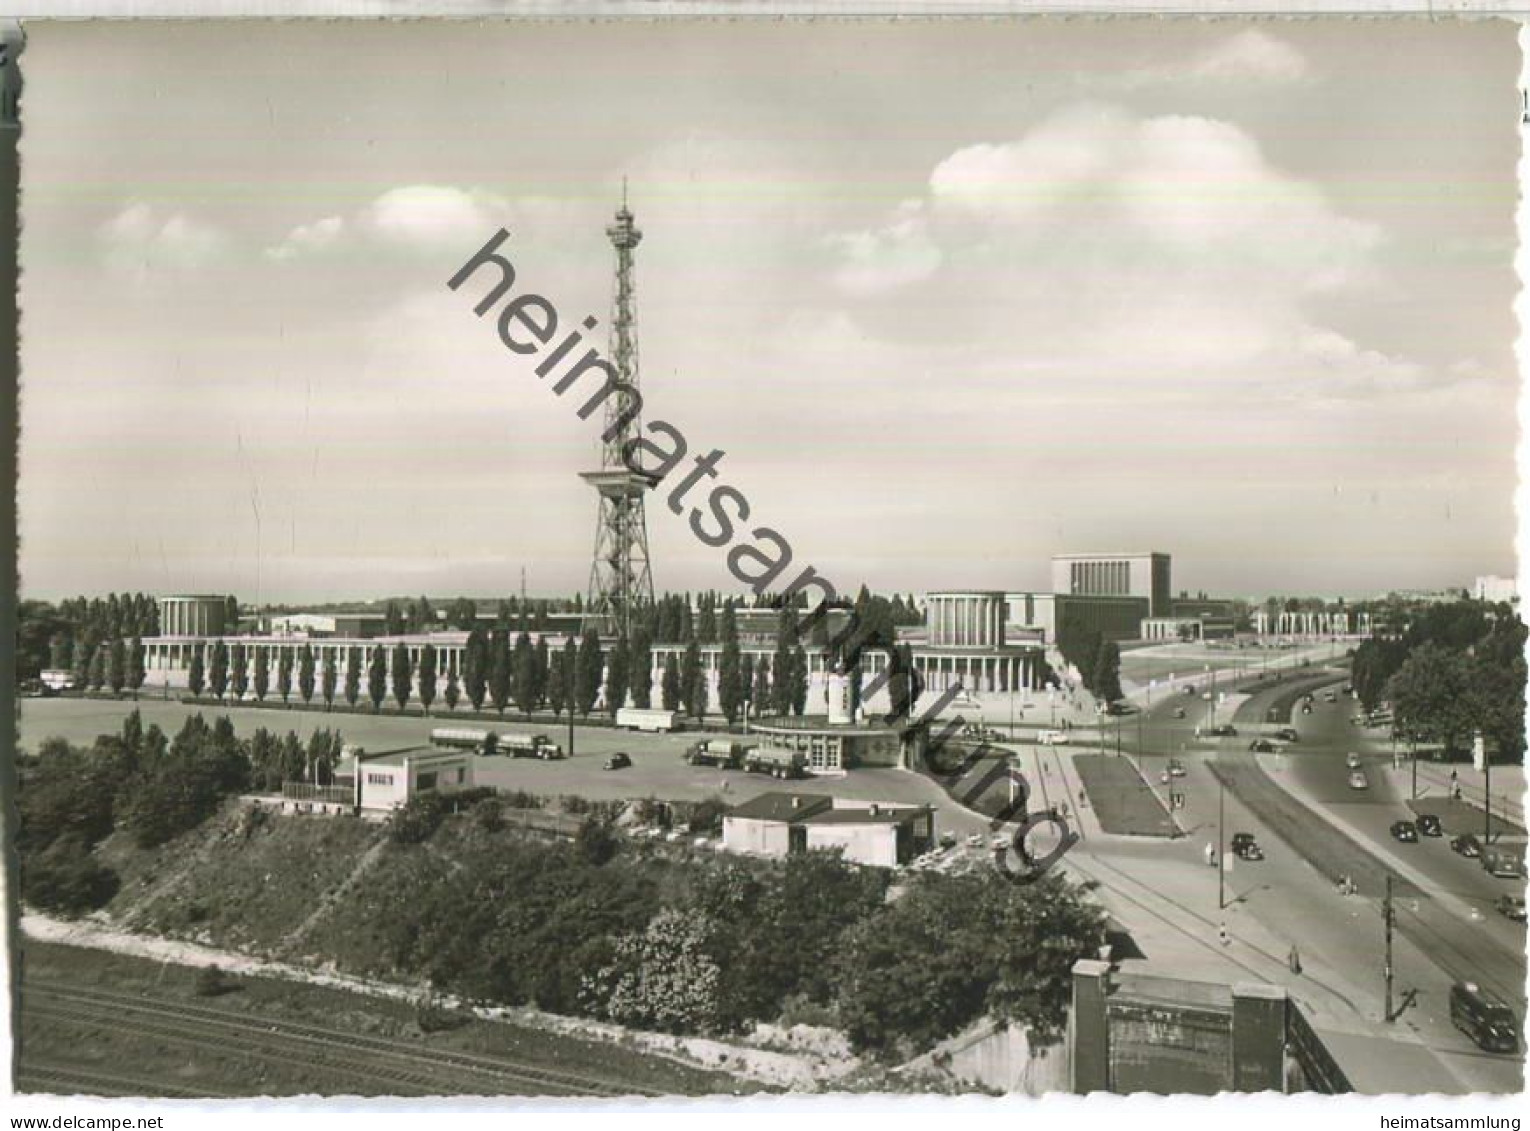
(952, 297)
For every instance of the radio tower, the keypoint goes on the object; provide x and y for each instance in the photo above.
(620, 579)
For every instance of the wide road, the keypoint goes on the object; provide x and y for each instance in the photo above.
(1291, 891)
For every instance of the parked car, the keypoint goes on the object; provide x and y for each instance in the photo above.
(1405, 831)
(618, 761)
(1352, 760)
(1176, 768)
(1511, 907)
(1468, 846)
(1306, 708)
(1179, 712)
(1249, 852)
(1053, 738)
(1287, 734)
(1239, 840)
(948, 839)
(1262, 746)
(1428, 825)
(1489, 1022)
(1358, 780)
(1331, 697)
(1224, 730)
(975, 840)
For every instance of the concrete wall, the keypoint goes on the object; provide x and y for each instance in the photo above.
(758, 838)
(864, 844)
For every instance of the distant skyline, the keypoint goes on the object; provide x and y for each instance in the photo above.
(953, 297)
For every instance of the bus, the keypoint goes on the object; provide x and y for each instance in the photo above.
(1490, 1023)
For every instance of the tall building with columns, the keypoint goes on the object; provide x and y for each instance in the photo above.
(193, 616)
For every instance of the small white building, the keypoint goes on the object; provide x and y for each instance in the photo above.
(384, 782)
(867, 832)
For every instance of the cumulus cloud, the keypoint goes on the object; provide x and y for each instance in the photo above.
(899, 252)
(433, 216)
(142, 240)
(1251, 55)
(307, 238)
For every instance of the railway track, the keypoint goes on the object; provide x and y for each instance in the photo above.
(75, 1080)
(399, 1067)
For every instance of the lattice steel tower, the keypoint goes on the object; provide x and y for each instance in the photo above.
(621, 581)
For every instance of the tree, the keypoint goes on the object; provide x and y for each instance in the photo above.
(669, 683)
(393, 619)
(66, 879)
(82, 658)
(501, 670)
(116, 666)
(352, 676)
(799, 680)
(540, 667)
(663, 977)
(616, 677)
(570, 671)
(525, 669)
(262, 674)
(463, 614)
(692, 676)
(781, 666)
(377, 677)
(135, 669)
(230, 614)
(218, 679)
(587, 676)
(760, 695)
(196, 678)
(239, 664)
(731, 689)
(1498, 673)
(331, 680)
(284, 674)
(403, 682)
(475, 668)
(427, 676)
(453, 689)
(1107, 672)
(640, 668)
(1432, 696)
(706, 624)
(557, 685)
(425, 615)
(306, 672)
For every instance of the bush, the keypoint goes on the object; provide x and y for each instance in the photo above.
(211, 982)
(520, 799)
(597, 842)
(67, 879)
(489, 815)
(574, 805)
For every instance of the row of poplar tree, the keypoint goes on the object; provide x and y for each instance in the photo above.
(502, 669)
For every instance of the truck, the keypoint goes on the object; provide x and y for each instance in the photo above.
(530, 746)
(776, 762)
(464, 738)
(647, 718)
(718, 752)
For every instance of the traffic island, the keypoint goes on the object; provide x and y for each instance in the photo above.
(1121, 798)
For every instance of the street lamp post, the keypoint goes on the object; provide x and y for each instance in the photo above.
(1221, 843)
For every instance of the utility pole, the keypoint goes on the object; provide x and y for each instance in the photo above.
(1386, 915)
(1221, 843)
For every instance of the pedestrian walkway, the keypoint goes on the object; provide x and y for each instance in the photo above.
(1508, 785)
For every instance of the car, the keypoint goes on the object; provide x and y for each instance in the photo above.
(1352, 760)
(1189, 689)
(1404, 831)
(1468, 846)
(999, 843)
(1224, 730)
(1179, 712)
(1428, 825)
(1306, 708)
(948, 839)
(1307, 698)
(618, 761)
(1331, 697)
(1287, 734)
(1176, 768)
(1239, 840)
(1053, 738)
(975, 840)
(1249, 852)
(1262, 746)
(1358, 780)
(1206, 695)
(1504, 865)
(1511, 907)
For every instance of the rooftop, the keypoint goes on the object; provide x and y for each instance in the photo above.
(821, 809)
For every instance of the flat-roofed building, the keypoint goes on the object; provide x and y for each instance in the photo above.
(193, 616)
(866, 832)
(1145, 574)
